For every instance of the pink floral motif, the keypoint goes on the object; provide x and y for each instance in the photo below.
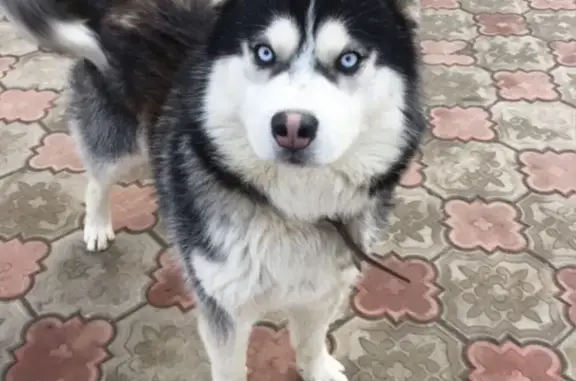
(57, 153)
(59, 350)
(567, 279)
(413, 176)
(270, 356)
(445, 53)
(19, 263)
(465, 124)
(25, 105)
(440, 4)
(488, 226)
(6, 64)
(565, 52)
(522, 85)
(550, 171)
(380, 294)
(554, 4)
(133, 207)
(498, 24)
(510, 362)
(170, 288)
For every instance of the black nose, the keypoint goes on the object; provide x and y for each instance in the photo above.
(294, 130)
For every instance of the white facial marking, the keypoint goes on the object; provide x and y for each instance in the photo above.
(331, 39)
(284, 37)
(305, 61)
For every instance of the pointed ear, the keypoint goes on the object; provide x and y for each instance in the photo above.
(411, 9)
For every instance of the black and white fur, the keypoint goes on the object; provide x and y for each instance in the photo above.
(184, 83)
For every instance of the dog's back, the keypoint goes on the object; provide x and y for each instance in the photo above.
(133, 45)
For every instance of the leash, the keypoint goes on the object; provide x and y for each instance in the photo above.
(359, 254)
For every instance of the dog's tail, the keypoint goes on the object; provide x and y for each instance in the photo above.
(64, 26)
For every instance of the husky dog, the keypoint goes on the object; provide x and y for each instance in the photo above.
(263, 121)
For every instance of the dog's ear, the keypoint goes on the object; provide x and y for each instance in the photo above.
(411, 9)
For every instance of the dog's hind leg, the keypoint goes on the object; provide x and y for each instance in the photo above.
(308, 329)
(103, 169)
(98, 230)
(109, 141)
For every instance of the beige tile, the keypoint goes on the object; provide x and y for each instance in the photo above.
(380, 350)
(39, 70)
(40, 204)
(107, 283)
(501, 295)
(472, 169)
(414, 225)
(13, 319)
(16, 141)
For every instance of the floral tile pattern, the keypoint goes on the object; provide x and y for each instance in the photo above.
(509, 361)
(76, 345)
(13, 320)
(485, 228)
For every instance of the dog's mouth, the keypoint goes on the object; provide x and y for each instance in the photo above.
(295, 158)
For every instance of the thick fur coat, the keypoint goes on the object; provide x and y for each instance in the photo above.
(262, 119)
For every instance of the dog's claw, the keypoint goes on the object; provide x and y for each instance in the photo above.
(97, 235)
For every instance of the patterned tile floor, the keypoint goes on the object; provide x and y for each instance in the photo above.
(485, 227)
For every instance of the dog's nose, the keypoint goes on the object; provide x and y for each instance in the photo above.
(294, 130)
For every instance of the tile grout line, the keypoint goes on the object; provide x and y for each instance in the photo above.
(29, 309)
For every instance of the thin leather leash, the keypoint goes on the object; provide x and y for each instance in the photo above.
(359, 254)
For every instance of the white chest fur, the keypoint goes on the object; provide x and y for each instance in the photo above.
(270, 264)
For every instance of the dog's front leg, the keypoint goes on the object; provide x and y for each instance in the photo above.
(308, 329)
(225, 339)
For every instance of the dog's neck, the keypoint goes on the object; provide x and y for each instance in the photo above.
(359, 256)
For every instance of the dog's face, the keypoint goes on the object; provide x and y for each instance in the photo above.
(302, 81)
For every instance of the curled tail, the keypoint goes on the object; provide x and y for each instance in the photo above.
(65, 26)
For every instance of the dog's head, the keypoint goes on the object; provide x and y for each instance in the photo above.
(307, 82)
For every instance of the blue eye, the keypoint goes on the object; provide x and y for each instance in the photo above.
(264, 55)
(349, 62)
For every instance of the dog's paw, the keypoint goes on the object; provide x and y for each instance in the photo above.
(98, 235)
(325, 369)
(229, 376)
